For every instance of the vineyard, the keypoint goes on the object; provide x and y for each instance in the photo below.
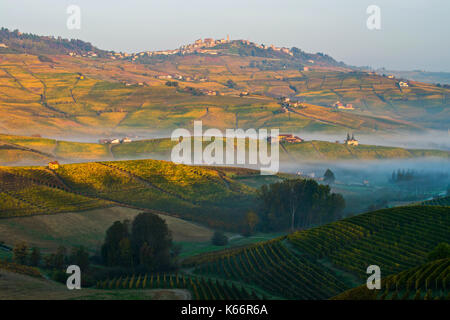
(318, 263)
(274, 268)
(444, 201)
(428, 281)
(200, 287)
(199, 194)
(394, 239)
(36, 191)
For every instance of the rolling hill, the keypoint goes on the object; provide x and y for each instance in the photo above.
(426, 282)
(206, 195)
(21, 150)
(46, 90)
(322, 262)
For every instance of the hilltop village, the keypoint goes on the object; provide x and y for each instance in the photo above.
(208, 46)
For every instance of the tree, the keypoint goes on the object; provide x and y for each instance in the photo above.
(60, 258)
(20, 253)
(219, 239)
(80, 257)
(150, 231)
(441, 251)
(250, 221)
(145, 244)
(35, 257)
(329, 177)
(111, 251)
(125, 258)
(231, 84)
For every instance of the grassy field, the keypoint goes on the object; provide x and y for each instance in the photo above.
(86, 228)
(189, 248)
(15, 286)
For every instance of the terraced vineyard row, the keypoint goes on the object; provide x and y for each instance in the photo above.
(444, 201)
(193, 193)
(394, 239)
(428, 281)
(25, 194)
(190, 183)
(200, 287)
(275, 269)
(319, 263)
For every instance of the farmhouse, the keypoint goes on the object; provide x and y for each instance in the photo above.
(339, 105)
(403, 84)
(348, 106)
(53, 165)
(289, 138)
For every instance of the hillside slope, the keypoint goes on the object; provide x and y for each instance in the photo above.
(20, 150)
(321, 262)
(51, 91)
(425, 282)
(206, 195)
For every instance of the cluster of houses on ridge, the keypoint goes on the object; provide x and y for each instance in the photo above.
(286, 103)
(203, 46)
(290, 138)
(400, 83)
(114, 141)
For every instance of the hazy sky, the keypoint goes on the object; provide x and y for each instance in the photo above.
(414, 33)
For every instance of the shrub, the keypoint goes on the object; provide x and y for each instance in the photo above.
(219, 239)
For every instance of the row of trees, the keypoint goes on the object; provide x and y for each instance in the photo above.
(58, 260)
(297, 204)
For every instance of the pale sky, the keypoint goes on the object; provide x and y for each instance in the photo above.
(414, 33)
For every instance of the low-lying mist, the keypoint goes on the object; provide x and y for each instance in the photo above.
(431, 139)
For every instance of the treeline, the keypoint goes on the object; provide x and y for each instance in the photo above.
(54, 263)
(402, 175)
(31, 43)
(296, 204)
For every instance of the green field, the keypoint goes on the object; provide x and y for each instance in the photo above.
(39, 151)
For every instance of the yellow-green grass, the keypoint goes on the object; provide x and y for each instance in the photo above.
(322, 150)
(39, 151)
(40, 144)
(75, 150)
